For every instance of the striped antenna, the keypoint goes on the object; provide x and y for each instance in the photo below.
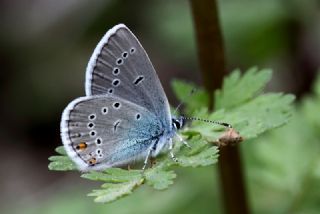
(208, 121)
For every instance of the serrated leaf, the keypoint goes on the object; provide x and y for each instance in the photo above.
(115, 175)
(61, 163)
(159, 178)
(206, 157)
(201, 153)
(251, 115)
(197, 144)
(238, 89)
(111, 192)
(209, 132)
(60, 150)
(284, 163)
(182, 90)
(261, 114)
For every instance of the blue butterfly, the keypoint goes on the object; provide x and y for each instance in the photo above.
(125, 115)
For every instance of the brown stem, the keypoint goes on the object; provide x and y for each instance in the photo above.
(213, 67)
(209, 41)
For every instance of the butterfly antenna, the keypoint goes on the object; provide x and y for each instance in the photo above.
(184, 100)
(208, 121)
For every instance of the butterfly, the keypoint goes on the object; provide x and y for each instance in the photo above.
(125, 115)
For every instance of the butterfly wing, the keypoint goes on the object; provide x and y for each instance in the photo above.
(119, 65)
(104, 131)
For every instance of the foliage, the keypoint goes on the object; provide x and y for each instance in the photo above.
(240, 102)
(284, 165)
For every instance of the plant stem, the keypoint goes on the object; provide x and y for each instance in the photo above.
(213, 68)
(210, 44)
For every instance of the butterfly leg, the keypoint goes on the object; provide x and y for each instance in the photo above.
(171, 152)
(183, 141)
(149, 154)
(146, 159)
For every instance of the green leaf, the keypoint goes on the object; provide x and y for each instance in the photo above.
(192, 102)
(114, 175)
(158, 178)
(209, 132)
(250, 114)
(201, 153)
(285, 163)
(60, 150)
(261, 114)
(238, 89)
(111, 192)
(208, 157)
(251, 119)
(197, 144)
(61, 163)
(117, 183)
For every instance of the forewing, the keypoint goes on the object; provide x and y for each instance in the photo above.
(104, 131)
(120, 66)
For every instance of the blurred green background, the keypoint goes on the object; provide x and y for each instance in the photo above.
(45, 46)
